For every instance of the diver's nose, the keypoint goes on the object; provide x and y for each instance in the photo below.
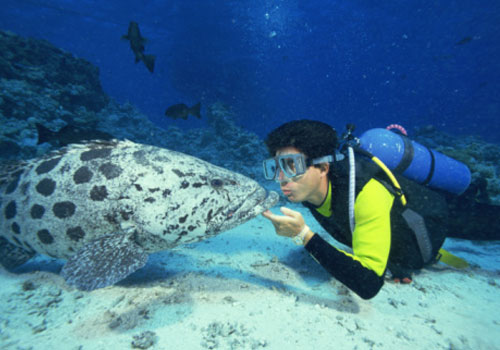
(282, 179)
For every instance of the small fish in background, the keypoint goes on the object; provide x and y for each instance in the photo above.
(181, 111)
(464, 41)
(69, 134)
(137, 42)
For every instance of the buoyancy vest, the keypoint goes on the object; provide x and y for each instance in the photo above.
(418, 229)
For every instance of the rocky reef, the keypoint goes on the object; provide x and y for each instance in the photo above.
(482, 158)
(42, 84)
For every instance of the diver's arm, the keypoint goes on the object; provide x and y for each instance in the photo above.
(362, 271)
(361, 280)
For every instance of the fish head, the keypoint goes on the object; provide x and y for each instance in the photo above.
(235, 199)
(219, 199)
(192, 200)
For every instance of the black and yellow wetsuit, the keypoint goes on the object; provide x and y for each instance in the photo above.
(382, 237)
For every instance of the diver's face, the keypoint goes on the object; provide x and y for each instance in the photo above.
(304, 187)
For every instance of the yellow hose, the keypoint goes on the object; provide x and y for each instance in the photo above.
(391, 177)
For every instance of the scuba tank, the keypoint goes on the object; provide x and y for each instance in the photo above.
(350, 143)
(415, 161)
(404, 155)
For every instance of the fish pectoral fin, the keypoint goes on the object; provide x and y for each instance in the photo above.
(103, 262)
(12, 256)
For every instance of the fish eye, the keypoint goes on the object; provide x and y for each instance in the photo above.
(216, 183)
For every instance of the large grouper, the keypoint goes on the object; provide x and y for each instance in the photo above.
(105, 205)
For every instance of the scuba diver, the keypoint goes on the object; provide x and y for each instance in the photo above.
(390, 221)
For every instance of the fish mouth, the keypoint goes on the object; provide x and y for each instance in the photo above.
(255, 204)
(268, 202)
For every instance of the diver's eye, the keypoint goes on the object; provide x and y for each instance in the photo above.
(216, 183)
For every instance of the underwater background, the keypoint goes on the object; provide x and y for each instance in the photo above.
(67, 73)
(372, 64)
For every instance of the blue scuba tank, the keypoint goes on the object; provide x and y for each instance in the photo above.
(415, 161)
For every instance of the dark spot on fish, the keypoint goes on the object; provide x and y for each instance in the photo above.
(150, 200)
(24, 187)
(166, 193)
(111, 219)
(47, 166)
(191, 227)
(174, 208)
(171, 228)
(140, 157)
(216, 183)
(75, 233)
(46, 187)
(15, 228)
(153, 190)
(13, 184)
(138, 187)
(37, 211)
(183, 219)
(126, 214)
(64, 209)
(95, 153)
(178, 172)
(209, 215)
(197, 184)
(10, 210)
(110, 171)
(82, 175)
(64, 169)
(45, 236)
(184, 184)
(98, 193)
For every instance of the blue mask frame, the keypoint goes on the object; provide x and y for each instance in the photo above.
(292, 165)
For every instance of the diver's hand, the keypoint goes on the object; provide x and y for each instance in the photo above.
(288, 225)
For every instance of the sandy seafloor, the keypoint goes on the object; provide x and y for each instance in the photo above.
(251, 289)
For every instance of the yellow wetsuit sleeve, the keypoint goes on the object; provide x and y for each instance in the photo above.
(371, 239)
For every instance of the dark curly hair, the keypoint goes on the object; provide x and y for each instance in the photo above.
(312, 138)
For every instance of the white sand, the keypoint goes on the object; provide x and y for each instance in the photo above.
(250, 289)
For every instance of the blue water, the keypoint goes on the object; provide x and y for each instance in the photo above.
(412, 62)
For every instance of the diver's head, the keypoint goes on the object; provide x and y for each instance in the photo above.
(313, 138)
(301, 153)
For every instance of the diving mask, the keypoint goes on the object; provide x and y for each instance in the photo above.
(292, 165)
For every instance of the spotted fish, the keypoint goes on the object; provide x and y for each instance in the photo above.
(105, 205)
